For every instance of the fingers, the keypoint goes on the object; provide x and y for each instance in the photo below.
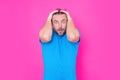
(68, 15)
(65, 12)
(50, 15)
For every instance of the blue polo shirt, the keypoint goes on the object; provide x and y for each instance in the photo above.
(59, 58)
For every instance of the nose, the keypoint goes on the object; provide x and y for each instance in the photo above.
(60, 24)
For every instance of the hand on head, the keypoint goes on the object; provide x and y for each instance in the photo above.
(59, 10)
(67, 13)
(50, 15)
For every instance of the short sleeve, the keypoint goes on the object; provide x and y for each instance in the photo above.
(44, 42)
(40, 41)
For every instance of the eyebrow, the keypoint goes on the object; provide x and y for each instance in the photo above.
(55, 20)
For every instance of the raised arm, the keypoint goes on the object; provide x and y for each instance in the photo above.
(71, 32)
(45, 33)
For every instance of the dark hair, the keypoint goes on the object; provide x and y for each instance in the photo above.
(59, 12)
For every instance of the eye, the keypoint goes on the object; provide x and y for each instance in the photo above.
(56, 22)
(63, 21)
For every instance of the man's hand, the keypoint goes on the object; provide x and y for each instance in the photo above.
(68, 15)
(45, 33)
(71, 32)
(50, 15)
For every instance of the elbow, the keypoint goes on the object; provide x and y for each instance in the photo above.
(44, 38)
(74, 38)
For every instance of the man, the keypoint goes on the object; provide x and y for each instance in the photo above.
(59, 39)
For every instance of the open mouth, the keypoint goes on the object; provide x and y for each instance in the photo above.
(60, 31)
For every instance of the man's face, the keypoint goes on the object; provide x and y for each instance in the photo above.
(59, 22)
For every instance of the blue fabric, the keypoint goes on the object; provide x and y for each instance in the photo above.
(59, 57)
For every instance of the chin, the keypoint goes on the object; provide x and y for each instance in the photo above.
(60, 33)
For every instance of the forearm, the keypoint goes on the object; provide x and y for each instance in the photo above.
(72, 32)
(45, 33)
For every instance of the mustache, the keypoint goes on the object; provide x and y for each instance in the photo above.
(61, 29)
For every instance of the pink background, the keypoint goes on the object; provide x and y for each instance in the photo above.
(20, 50)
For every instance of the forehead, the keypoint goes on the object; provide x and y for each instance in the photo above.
(59, 16)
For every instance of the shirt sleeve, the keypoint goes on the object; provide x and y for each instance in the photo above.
(40, 41)
(43, 43)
